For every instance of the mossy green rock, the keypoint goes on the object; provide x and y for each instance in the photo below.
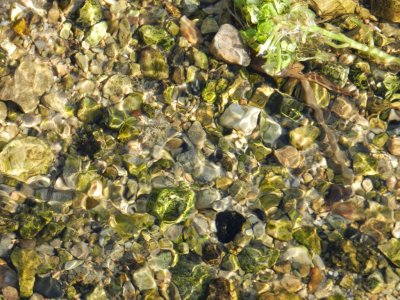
(255, 258)
(90, 13)
(127, 225)
(374, 283)
(51, 230)
(280, 229)
(191, 276)
(391, 249)
(363, 164)
(89, 110)
(308, 237)
(25, 157)
(209, 94)
(26, 261)
(31, 225)
(155, 35)
(337, 73)
(8, 225)
(172, 205)
(153, 64)
(200, 59)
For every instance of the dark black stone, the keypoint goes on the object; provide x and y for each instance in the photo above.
(337, 192)
(229, 224)
(86, 144)
(48, 287)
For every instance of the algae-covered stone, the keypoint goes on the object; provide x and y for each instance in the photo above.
(26, 261)
(209, 94)
(374, 283)
(304, 136)
(221, 288)
(259, 151)
(190, 276)
(89, 110)
(280, 229)
(253, 259)
(321, 93)
(200, 59)
(26, 157)
(128, 225)
(308, 237)
(155, 35)
(391, 249)
(153, 64)
(261, 96)
(209, 25)
(365, 164)
(90, 13)
(172, 205)
(31, 225)
(337, 73)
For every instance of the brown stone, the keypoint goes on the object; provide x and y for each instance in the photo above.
(289, 157)
(386, 9)
(189, 31)
(228, 46)
(394, 146)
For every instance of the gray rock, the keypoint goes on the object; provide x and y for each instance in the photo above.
(116, 87)
(205, 198)
(80, 250)
(209, 25)
(197, 135)
(55, 101)
(8, 277)
(228, 46)
(48, 287)
(31, 80)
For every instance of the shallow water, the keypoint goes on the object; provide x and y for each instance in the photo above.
(145, 154)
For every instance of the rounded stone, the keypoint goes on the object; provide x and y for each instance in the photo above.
(228, 46)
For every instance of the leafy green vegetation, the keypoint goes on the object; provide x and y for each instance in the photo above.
(284, 31)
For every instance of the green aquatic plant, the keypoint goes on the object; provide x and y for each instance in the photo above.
(285, 31)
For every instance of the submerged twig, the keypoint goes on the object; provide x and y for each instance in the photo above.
(309, 98)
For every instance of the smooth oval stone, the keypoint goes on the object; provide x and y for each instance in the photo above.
(228, 46)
